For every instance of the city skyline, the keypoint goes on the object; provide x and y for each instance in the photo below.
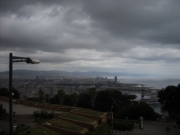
(110, 36)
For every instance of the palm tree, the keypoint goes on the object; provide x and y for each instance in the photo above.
(93, 93)
(61, 94)
(74, 99)
(41, 95)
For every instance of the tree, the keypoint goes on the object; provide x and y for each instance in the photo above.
(133, 111)
(41, 95)
(61, 94)
(84, 100)
(16, 93)
(47, 98)
(3, 92)
(74, 99)
(93, 93)
(169, 99)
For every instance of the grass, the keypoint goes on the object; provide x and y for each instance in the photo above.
(65, 125)
(39, 131)
(89, 112)
(77, 117)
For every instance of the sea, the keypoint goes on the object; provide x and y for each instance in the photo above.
(153, 82)
(155, 105)
(156, 83)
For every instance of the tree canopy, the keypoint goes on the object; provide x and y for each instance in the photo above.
(170, 99)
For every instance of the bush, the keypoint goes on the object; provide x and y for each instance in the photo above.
(134, 111)
(3, 133)
(102, 129)
(118, 125)
(20, 128)
(43, 115)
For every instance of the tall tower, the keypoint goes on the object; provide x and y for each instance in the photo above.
(115, 80)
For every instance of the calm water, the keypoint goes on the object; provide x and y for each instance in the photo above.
(157, 83)
(156, 106)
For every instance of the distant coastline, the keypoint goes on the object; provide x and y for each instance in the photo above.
(154, 81)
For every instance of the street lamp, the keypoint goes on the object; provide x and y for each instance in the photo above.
(112, 120)
(11, 60)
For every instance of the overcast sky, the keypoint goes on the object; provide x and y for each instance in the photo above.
(134, 36)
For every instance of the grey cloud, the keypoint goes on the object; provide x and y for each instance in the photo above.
(154, 21)
(113, 27)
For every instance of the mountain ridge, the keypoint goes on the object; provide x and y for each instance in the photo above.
(74, 73)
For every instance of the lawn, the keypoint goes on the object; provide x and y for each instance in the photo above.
(89, 112)
(77, 118)
(39, 130)
(65, 125)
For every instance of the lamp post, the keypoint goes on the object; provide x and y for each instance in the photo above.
(11, 60)
(112, 120)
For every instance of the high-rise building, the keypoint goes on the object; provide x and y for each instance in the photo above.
(115, 80)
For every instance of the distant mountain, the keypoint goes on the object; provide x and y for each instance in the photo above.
(65, 73)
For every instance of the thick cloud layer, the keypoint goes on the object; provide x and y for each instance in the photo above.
(139, 36)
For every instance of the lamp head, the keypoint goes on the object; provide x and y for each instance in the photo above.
(32, 61)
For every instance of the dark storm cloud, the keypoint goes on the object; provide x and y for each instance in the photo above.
(155, 21)
(96, 34)
(117, 25)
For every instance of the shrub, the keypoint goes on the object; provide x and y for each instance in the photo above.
(119, 125)
(20, 128)
(102, 129)
(43, 115)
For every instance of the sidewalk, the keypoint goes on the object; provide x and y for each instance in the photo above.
(22, 109)
(151, 128)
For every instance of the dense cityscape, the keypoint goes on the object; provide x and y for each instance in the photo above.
(29, 86)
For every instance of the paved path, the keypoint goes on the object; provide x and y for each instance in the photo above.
(152, 128)
(22, 109)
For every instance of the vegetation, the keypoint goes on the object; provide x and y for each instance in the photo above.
(60, 95)
(47, 98)
(108, 98)
(93, 93)
(170, 101)
(42, 116)
(66, 125)
(5, 92)
(74, 99)
(3, 133)
(89, 112)
(20, 128)
(41, 95)
(102, 129)
(123, 125)
(133, 111)
(39, 130)
(123, 105)
(77, 117)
